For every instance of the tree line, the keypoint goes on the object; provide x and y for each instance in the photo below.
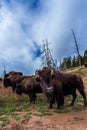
(70, 62)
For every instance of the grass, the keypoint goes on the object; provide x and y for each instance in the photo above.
(63, 110)
(11, 105)
(11, 108)
(26, 116)
(78, 70)
(4, 120)
(17, 118)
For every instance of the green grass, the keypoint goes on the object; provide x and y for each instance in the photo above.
(26, 116)
(17, 118)
(63, 110)
(43, 111)
(4, 121)
(11, 107)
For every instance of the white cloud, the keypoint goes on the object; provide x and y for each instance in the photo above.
(20, 27)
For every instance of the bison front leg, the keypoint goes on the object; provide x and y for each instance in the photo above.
(59, 98)
(49, 100)
(32, 97)
(50, 105)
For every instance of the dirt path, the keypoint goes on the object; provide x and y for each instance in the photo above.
(67, 121)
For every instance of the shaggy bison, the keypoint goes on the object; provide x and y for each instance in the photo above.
(59, 84)
(13, 73)
(22, 84)
(49, 87)
(30, 87)
(11, 78)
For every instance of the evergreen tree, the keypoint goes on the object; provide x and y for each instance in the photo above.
(85, 56)
(74, 61)
(68, 62)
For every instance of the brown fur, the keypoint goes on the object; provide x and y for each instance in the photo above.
(62, 83)
(30, 87)
(11, 78)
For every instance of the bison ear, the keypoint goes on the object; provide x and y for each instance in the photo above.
(6, 75)
(51, 71)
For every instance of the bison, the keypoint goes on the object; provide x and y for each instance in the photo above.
(58, 85)
(30, 87)
(14, 73)
(22, 84)
(11, 78)
(50, 88)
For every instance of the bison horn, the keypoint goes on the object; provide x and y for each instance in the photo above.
(49, 88)
(36, 74)
(51, 71)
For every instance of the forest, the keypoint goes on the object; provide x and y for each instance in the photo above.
(70, 62)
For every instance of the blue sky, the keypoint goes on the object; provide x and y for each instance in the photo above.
(25, 23)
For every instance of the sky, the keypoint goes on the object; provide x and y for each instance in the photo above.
(24, 24)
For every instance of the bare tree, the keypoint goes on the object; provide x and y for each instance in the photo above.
(47, 56)
(77, 48)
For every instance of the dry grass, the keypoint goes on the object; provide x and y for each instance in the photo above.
(11, 104)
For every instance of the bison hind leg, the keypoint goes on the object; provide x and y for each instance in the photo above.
(82, 92)
(73, 100)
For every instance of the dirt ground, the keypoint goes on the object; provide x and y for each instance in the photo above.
(66, 121)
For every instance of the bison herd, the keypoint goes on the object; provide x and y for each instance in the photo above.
(22, 84)
(54, 84)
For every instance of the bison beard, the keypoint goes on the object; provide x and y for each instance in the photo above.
(63, 84)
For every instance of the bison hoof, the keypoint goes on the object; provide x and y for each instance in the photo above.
(49, 107)
(59, 107)
(85, 105)
(69, 105)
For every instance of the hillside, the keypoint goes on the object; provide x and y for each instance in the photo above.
(82, 71)
(16, 113)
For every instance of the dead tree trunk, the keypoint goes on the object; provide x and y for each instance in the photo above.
(47, 56)
(77, 48)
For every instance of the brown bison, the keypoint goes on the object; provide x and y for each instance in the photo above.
(22, 84)
(60, 84)
(11, 78)
(14, 73)
(29, 86)
(50, 88)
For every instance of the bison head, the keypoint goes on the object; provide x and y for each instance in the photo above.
(9, 78)
(44, 77)
(7, 82)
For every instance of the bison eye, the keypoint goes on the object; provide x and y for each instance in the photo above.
(38, 79)
(53, 76)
